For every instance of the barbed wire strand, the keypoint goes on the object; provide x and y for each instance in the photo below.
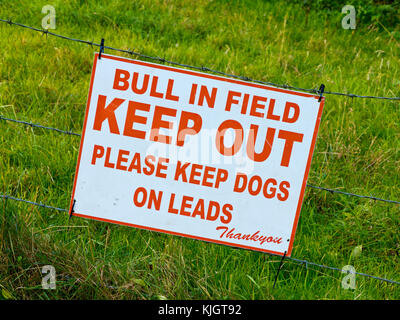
(5, 196)
(299, 261)
(352, 194)
(306, 263)
(34, 125)
(163, 60)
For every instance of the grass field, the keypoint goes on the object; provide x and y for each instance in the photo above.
(45, 80)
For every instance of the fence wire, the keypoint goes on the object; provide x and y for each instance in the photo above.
(34, 125)
(352, 194)
(302, 262)
(202, 68)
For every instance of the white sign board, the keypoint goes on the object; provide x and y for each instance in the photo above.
(194, 155)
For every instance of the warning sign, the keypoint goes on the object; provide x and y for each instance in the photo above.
(194, 155)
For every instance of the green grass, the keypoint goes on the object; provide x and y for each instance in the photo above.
(45, 80)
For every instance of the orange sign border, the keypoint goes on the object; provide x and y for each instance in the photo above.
(209, 76)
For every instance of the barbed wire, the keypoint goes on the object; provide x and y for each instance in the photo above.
(5, 196)
(352, 194)
(202, 68)
(305, 263)
(70, 133)
(34, 125)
